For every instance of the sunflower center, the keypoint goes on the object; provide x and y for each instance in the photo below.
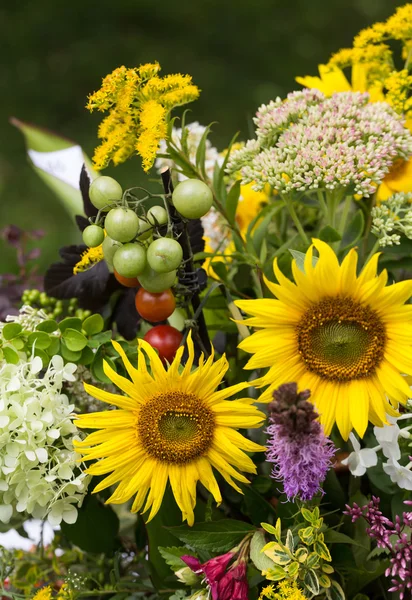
(340, 340)
(176, 427)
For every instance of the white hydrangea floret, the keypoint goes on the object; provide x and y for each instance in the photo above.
(39, 474)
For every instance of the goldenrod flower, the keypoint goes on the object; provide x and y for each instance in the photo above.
(285, 590)
(139, 102)
(347, 338)
(44, 594)
(89, 258)
(172, 425)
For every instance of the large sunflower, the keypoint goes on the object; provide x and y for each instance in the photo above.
(345, 337)
(172, 425)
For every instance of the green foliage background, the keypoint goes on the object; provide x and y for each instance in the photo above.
(240, 52)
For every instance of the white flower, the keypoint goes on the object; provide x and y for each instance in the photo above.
(194, 132)
(387, 437)
(402, 476)
(360, 459)
(39, 474)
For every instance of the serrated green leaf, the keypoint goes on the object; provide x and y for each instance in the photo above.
(232, 202)
(215, 536)
(40, 339)
(70, 322)
(93, 324)
(259, 559)
(311, 581)
(74, 340)
(172, 556)
(48, 326)
(10, 330)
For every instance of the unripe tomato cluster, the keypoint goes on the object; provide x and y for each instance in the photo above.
(139, 255)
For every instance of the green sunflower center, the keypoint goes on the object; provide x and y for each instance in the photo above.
(176, 427)
(340, 339)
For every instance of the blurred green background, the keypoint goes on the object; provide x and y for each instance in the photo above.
(240, 53)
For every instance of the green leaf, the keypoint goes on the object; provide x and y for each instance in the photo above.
(87, 356)
(39, 339)
(93, 324)
(10, 355)
(259, 559)
(215, 536)
(275, 573)
(322, 550)
(293, 569)
(311, 582)
(74, 340)
(70, 322)
(219, 174)
(335, 537)
(48, 326)
(54, 346)
(220, 269)
(232, 201)
(10, 330)
(44, 357)
(354, 230)
(300, 259)
(330, 235)
(259, 232)
(17, 343)
(201, 151)
(41, 140)
(335, 592)
(69, 355)
(290, 543)
(312, 560)
(307, 515)
(255, 506)
(100, 339)
(97, 366)
(324, 581)
(172, 556)
(96, 527)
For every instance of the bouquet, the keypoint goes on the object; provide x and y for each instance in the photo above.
(210, 397)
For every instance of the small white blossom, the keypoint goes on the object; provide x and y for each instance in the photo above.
(361, 458)
(39, 474)
(387, 437)
(402, 476)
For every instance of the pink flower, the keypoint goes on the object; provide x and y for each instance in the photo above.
(233, 585)
(213, 569)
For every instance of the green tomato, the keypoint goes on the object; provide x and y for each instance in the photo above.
(130, 260)
(110, 247)
(93, 236)
(105, 191)
(192, 198)
(145, 230)
(157, 215)
(122, 224)
(156, 282)
(164, 255)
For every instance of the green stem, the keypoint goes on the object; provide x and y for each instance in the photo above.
(323, 204)
(289, 204)
(288, 244)
(344, 216)
(372, 252)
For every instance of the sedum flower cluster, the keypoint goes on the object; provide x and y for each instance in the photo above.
(139, 102)
(310, 142)
(393, 218)
(38, 470)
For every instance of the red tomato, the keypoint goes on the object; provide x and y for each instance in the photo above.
(126, 281)
(155, 307)
(165, 339)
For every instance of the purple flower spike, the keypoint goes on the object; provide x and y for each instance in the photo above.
(297, 445)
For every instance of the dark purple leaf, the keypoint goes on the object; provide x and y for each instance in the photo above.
(89, 209)
(125, 314)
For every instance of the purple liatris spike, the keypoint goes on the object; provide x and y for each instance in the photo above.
(297, 445)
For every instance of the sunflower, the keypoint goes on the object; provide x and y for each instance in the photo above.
(172, 425)
(345, 337)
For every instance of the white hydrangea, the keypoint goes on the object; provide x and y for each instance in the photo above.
(195, 132)
(39, 474)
